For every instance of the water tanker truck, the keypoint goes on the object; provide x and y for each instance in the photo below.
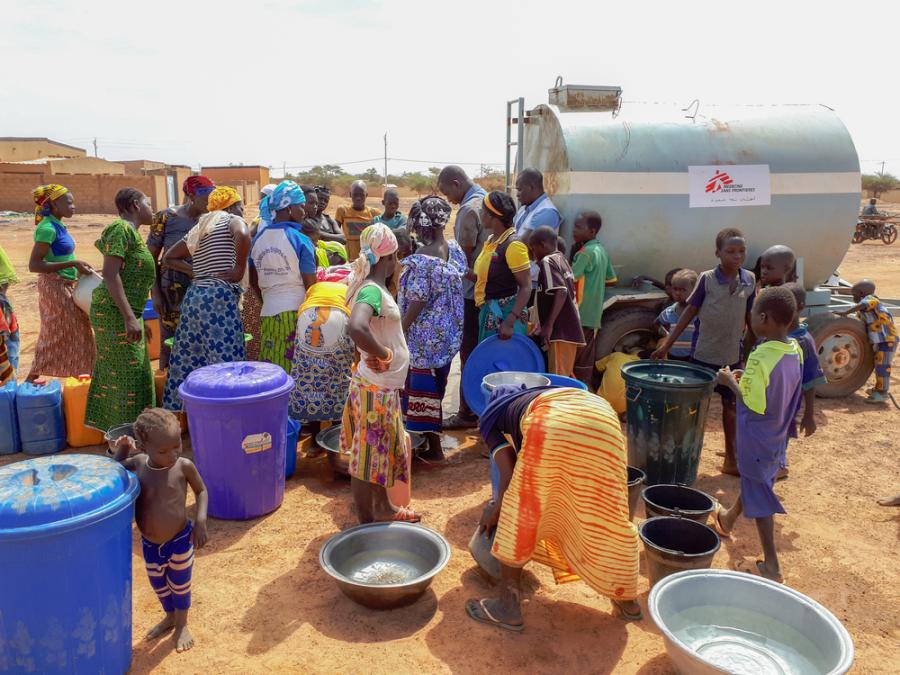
(666, 180)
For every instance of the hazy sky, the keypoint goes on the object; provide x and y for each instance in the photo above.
(313, 82)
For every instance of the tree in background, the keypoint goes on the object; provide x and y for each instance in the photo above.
(491, 179)
(370, 176)
(876, 184)
(325, 174)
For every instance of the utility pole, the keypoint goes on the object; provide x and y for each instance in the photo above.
(385, 158)
(95, 148)
(283, 170)
(882, 168)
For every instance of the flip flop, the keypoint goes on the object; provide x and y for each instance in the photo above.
(628, 616)
(717, 524)
(472, 607)
(755, 568)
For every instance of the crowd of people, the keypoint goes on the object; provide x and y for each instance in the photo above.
(367, 310)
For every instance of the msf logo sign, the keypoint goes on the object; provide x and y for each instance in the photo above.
(718, 182)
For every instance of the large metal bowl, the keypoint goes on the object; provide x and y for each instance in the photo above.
(330, 439)
(718, 621)
(384, 565)
(515, 378)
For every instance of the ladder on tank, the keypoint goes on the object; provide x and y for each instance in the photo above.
(519, 144)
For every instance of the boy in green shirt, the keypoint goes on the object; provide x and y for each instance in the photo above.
(593, 272)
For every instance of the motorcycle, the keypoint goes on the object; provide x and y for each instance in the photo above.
(875, 228)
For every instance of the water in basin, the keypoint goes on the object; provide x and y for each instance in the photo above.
(761, 646)
(380, 568)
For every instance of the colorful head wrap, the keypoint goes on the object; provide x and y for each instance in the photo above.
(285, 194)
(375, 242)
(198, 185)
(223, 197)
(490, 207)
(43, 195)
(268, 189)
(334, 247)
(430, 212)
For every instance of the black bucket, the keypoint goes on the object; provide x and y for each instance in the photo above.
(635, 485)
(677, 544)
(677, 500)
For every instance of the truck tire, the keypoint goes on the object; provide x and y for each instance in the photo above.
(628, 327)
(845, 354)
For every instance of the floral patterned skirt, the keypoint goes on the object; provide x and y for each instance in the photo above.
(372, 434)
(209, 331)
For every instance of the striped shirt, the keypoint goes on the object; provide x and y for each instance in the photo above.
(216, 252)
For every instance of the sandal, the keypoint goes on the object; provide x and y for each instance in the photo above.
(628, 616)
(756, 569)
(474, 606)
(406, 515)
(717, 523)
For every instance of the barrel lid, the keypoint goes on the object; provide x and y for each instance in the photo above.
(494, 355)
(53, 489)
(236, 379)
(667, 374)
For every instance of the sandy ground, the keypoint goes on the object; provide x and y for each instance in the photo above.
(261, 603)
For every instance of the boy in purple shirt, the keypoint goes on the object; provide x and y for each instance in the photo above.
(768, 395)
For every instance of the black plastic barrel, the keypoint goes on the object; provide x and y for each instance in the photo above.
(677, 544)
(635, 487)
(667, 403)
(677, 500)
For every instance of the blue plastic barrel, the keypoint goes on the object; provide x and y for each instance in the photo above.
(290, 450)
(9, 424)
(42, 425)
(65, 552)
(238, 416)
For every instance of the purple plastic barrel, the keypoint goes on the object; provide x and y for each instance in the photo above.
(237, 414)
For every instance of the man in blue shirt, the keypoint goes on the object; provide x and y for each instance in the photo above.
(537, 210)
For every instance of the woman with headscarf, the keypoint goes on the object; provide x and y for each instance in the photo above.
(323, 357)
(169, 227)
(372, 430)
(282, 269)
(502, 272)
(65, 345)
(122, 383)
(431, 302)
(251, 306)
(563, 498)
(9, 327)
(210, 329)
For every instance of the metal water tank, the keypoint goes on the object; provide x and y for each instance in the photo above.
(651, 172)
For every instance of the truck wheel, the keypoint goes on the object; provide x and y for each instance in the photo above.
(625, 329)
(844, 353)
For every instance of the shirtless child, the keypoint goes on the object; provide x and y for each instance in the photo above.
(168, 537)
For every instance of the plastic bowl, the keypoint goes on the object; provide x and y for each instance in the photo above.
(761, 626)
(384, 565)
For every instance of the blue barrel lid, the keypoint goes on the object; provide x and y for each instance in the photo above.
(149, 311)
(50, 490)
(668, 374)
(494, 355)
(236, 381)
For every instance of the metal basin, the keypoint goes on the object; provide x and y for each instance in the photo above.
(384, 565)
(718, 621)
(529, 380)
(115, 433)
(330, 439)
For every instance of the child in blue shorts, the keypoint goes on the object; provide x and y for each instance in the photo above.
(167, 536)
(768, 393)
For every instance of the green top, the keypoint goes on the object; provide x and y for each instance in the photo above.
(592, 262)
(62, 247)
(370, 295)
(760, 365)
(121, 239)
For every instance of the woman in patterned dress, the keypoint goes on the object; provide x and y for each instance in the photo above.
(65, 345)
(122, 384)
(210, 329)
(431, 301)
